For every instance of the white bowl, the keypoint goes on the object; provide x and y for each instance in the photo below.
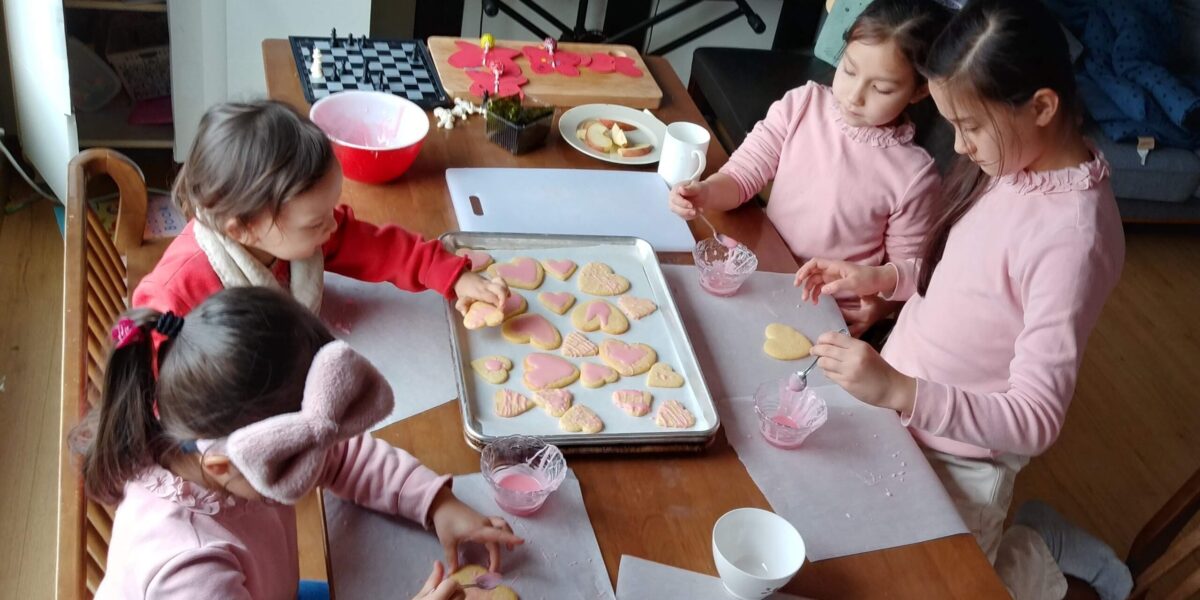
(756, 552)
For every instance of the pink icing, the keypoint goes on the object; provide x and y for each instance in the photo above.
(673, 414)
(555, 399)
(598, 309)
(477, 259)
(520, 482)
(492, 364)
(594, 372)
(728, 242)
(560, 266)
(512, 304)
(520, 269)
(535, 326)
(557, 298)
(632, 401)
(543, 369)
(625, 353)
(512, 403)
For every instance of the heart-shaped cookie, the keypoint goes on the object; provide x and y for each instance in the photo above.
(482, 314)
(531, 329)
(559, 302)
(545, 371)
(471, 574)
(577, 345)
(510, 403)
(560, 269)
(478, 259)
(673, 415)
(492, 368)
(521, 272)
(627, 359)
(599, 314)
(663, 376)
(598, 279)
(554, 401)
(635, 403)
(592, 375)
(580, 418)
(636, 308)
(785, 343)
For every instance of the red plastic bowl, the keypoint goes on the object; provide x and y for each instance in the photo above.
(376, 136)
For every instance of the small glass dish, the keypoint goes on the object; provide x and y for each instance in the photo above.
(787, 418)
(522, 471)
(723, 269)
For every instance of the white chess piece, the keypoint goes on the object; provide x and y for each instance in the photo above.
(315, 72)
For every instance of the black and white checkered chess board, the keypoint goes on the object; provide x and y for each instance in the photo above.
(401, 67)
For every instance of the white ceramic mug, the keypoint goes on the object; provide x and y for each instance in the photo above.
(684, 148)
(756, 552)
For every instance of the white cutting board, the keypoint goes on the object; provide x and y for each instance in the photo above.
(570, 202)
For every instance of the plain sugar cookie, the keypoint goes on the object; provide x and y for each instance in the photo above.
(580, 418)
(785, 343)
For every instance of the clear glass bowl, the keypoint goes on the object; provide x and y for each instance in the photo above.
(723, 269)
(522, 471)
(786, 418)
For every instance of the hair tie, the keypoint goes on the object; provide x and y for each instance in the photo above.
(125, 332)
(169, 324)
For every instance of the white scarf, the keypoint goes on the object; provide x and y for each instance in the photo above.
(236, 267)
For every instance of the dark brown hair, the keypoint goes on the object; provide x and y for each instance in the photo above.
(994, 52)
(911, 24)
(248, 158)
(241, 356)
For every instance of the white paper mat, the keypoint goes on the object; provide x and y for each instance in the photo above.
(727, 333)
(640, 579)
(379, 556)
(859, 483)
(404, 335)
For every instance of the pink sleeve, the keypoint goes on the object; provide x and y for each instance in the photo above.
(906, 278)
(909, 224)
(756, 161)
(206, 572)
(368, 252)
(1063, 292)
(379, 476)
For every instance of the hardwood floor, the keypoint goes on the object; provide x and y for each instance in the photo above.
(1130, 440)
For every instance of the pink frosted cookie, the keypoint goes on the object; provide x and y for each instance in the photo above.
(663, 376)
(560, 269)
(578, 345)
(636, 308)
(514, 305)
(510, 403)
(546, 371)
(673, 415)
(482, 314)
(492, 368)
(531, 329)
(635, 403)
(599, 314)
(559, 302)
(478, 259)
(593, 375)
(554, 401)
(580, 418)
(627, 359)
(521, 272)
(598, 279)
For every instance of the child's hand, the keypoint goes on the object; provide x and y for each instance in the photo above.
(437, 588)
(870, 310)
(456, 523)
(860, 370)
(687, 198)
(822, 276)
(471, 287)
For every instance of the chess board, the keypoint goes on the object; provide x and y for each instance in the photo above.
(401, 67)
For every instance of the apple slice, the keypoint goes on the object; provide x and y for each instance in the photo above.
(633, 151)
(597, 138)
(581, 129)
(618, 136)
(626, 127)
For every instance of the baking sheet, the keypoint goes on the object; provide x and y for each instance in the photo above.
(662, 330)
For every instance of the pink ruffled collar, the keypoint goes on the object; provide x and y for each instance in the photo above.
(193, 497)
(1080, 177)
(879, 137)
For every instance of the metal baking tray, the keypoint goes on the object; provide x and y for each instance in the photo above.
(662, 330)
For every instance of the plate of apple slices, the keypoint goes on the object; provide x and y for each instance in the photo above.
(613, 133)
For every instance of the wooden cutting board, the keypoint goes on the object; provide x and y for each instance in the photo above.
(555, 88)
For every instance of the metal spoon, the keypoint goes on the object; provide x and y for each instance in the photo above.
(487, 581)
(725, 240)
(799, 380)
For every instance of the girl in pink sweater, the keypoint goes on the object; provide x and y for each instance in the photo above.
(848, 181)
(982, 364)
(255, 405)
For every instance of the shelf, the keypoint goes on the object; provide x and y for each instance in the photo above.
(109, 127)
(151, 7)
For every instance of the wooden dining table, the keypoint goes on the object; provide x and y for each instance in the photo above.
(659, 507)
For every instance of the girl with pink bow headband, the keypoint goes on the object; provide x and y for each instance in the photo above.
(254, 406)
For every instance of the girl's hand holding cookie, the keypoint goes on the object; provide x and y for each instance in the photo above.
(438, 586)
(860, 370)
(456, 523)
(823, 276)
(472, 286)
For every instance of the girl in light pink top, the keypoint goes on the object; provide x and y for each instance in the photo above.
(982, 364)
(254, 406)
(848, 181)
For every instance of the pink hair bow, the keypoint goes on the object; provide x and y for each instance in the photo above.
(282, 456)
(125, 332)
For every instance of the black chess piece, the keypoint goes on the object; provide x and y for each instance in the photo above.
(333, 38)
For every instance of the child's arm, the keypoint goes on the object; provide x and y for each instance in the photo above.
(717, 193)
(756, 161)
(371, 253)
(379, 476)
(206, 572)
(913, 216)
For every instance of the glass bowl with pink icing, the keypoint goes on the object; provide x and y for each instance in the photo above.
(723, 267)
(523, 471)
(785, 417)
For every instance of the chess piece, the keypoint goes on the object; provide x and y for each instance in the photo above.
(333, 38)
(550, 45)
(487, 42)
(315, 72)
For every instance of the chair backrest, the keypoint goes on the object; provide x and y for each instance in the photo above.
(95, 292)
(1165, 542)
